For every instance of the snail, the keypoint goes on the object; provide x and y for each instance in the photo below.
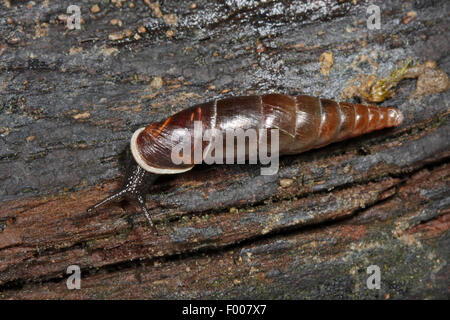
(303, 123)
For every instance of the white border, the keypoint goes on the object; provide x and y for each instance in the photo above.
(141, 162)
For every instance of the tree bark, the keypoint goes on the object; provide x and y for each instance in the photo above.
(71, 99)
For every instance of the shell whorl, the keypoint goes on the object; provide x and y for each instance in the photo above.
(143, 163)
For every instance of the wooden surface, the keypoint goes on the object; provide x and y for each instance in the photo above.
(70, 101)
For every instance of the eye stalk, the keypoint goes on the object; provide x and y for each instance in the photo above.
(135, 188)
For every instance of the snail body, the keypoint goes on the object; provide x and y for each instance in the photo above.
(303, 123)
